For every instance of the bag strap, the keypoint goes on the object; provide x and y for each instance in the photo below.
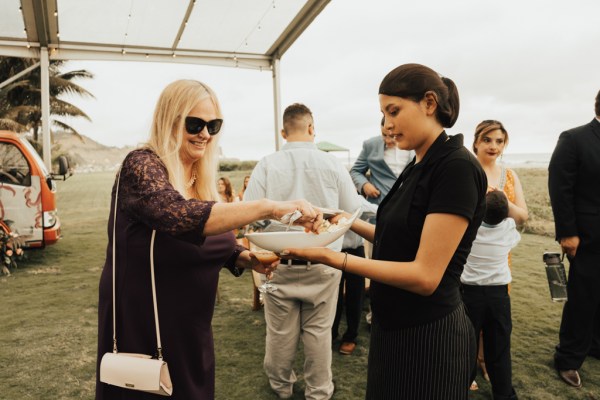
(114, 260)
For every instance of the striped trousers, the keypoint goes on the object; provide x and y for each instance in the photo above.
(426, 362)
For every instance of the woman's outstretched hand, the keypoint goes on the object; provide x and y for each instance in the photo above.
(311, 218)
(317, 255)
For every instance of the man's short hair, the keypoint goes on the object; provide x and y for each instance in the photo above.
(496, 207)
(296, 117)
(598, 104)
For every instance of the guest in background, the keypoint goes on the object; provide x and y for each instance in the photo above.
(169, 185)
(573, 182)
(485, 282)
(489, 142)
(225, 190)
(244, 186)
(303, 306)
(375, 171)
(378, 165)
(422, 342)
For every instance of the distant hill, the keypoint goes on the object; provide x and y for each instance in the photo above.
(89, 155)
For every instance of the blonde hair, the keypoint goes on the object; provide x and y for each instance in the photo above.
(167, 135)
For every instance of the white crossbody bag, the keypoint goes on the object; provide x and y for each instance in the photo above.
(129, 370)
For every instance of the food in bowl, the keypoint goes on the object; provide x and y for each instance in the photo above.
(329, 227)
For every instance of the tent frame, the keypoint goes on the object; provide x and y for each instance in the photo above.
(43, 43)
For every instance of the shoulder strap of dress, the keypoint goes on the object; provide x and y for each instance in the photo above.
(503, 172)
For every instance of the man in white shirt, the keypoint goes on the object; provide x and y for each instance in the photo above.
(303, 306)
(485, 280)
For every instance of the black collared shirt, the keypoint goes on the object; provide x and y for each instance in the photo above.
(448, 180)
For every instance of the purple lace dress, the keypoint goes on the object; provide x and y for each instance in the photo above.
(187, 269)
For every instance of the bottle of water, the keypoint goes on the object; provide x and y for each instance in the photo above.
(557, 277)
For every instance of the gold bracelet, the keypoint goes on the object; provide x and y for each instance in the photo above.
(345, 261)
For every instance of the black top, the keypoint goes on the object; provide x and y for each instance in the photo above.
(448, 180)
(187, 266)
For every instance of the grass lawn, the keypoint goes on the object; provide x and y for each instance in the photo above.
(48, 327)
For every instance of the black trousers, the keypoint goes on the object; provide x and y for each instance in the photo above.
(580, 326)
(352, 301)
(488, 308)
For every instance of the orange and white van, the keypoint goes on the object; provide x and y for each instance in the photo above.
(28, 192)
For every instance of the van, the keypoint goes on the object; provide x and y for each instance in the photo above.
(28, 192)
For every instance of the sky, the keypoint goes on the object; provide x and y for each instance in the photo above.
(534, 65)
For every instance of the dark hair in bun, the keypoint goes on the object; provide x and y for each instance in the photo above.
(413, 81)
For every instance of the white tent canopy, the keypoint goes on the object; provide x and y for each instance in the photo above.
(234, 33)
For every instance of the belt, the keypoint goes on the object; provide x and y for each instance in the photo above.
(295, 261)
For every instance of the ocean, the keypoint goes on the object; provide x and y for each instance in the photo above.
(526, 160)
(512, 160)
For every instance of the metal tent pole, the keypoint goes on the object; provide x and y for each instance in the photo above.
(45, 89)
(277, 102)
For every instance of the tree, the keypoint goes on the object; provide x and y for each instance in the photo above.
(20, 101)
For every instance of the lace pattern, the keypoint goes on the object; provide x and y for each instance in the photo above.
(146, 195)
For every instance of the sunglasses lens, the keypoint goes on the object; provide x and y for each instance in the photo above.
(194, 125)
(214, 126)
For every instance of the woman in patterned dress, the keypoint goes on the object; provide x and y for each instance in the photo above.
(169, 185)
(490, 140)
(489, 143)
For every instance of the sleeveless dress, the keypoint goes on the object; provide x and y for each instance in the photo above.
(507, 185)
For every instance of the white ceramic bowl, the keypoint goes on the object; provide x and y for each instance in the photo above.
(279, 241)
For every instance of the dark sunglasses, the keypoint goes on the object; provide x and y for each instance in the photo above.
(195, 125)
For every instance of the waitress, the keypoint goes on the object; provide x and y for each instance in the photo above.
(422, 342)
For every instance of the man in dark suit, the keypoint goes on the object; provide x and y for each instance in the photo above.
(574, 186)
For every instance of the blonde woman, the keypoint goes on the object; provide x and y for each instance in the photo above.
(169, 185)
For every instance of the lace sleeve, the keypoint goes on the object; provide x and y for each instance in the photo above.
(147, 196)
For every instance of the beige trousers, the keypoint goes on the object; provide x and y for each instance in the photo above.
(302, 307)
